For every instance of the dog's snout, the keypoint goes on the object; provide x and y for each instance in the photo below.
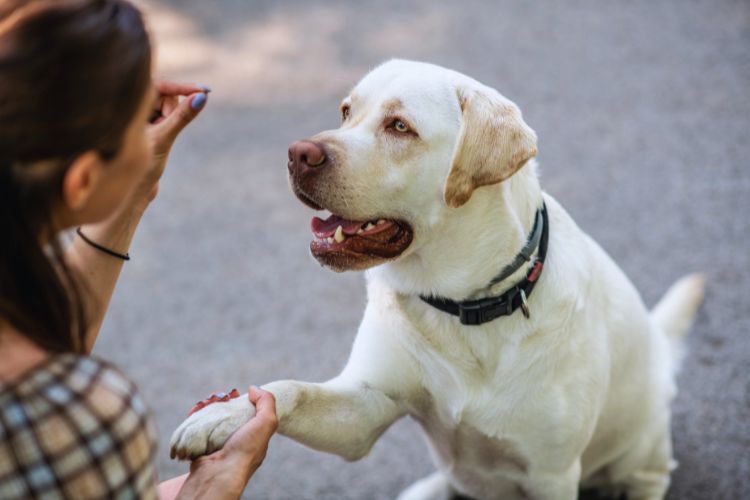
(306, 154)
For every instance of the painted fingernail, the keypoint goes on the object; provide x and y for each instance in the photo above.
(198, 101)
(205, 87)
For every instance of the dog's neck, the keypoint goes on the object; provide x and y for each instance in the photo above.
(472, 245)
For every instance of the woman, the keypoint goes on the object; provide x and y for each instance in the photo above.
(84, 138)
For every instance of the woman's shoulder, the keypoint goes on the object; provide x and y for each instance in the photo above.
(82, 424)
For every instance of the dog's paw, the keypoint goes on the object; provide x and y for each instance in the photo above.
(206, 430)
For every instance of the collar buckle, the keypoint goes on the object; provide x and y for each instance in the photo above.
(470, 314)
(484, 310)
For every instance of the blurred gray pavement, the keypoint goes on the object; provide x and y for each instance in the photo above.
(642, 110)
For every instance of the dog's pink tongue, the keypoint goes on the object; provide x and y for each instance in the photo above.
(326, 228)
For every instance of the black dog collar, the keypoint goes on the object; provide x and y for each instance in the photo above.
(476, 312)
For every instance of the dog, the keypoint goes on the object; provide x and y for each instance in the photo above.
(522, 350)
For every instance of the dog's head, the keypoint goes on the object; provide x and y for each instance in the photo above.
(415, 142)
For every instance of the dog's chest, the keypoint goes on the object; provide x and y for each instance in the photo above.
(482, 466)
(484, 463)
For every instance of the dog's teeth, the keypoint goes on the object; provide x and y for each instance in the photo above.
(360, 231)
(381, 221)
(339, 235)
(369, 226)
(329, 240)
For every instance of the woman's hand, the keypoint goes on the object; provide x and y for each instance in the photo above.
(249, 443)
(225, 473)
(170, 115)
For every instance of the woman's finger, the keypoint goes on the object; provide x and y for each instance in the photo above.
(163, 106)
(264, 401)
(265, 407)
(170, 103)
(166, 130)
(164, 87)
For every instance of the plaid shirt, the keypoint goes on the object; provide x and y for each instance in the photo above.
(75, 427)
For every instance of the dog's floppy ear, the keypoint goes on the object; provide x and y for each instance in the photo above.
(493, 143)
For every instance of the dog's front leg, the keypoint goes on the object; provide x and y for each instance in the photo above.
(339, 416)
(343, 416)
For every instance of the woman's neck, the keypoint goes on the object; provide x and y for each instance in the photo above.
(18, 354)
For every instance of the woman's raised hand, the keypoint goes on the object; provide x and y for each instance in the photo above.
(175, 106)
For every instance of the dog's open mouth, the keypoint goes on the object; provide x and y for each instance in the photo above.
(349, 244)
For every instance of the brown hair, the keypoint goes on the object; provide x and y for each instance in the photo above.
(72, 75)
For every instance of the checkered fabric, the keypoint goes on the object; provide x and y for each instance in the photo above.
(75, 427)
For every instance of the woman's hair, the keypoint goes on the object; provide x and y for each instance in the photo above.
(72, 76)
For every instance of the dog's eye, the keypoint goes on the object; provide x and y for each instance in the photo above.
(344, 113)
(399, 126)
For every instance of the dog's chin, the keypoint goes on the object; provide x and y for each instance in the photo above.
(342, 262)
(348, 245)
(343, 244)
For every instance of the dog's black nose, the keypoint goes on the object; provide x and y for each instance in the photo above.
(305, 154)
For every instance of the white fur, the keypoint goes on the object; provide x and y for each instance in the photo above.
(515, 408)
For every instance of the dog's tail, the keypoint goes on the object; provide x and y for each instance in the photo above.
(676, 310)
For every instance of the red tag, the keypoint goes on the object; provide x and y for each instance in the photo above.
(535, 271)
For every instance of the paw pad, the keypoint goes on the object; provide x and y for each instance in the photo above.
(220, 397)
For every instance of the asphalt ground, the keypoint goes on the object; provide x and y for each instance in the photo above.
(642, 110)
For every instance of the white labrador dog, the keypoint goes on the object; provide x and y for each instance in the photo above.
(433, 188)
